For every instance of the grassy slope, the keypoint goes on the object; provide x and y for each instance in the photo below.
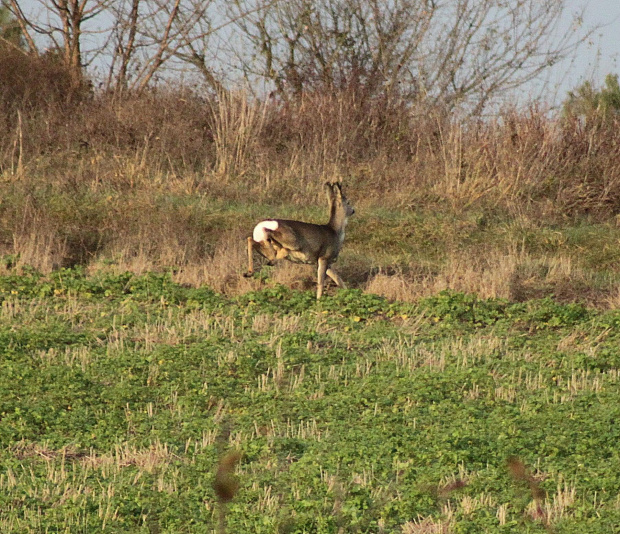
(416, 250)
(522, 206)
(119, 393)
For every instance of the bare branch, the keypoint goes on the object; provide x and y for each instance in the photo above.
(127, 51)
(450, 52)
(17, 12)
(158, 59)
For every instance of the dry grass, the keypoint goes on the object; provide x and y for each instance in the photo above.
(549, 511)
(169, 180)
(237, 126)
(62, 482)
(45, 250)
(432, 525)
(512, 274)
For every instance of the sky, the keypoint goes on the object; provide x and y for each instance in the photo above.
(601, 54)
(596, 58)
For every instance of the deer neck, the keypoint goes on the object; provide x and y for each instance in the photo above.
(337, 220)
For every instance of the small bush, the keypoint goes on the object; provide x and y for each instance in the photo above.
(29, 82)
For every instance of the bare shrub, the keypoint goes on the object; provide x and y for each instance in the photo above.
(529, 162)
(331, 132)
(34, 82)
(166, 131)
(33, 88)
(520, 162)
(50, 230)
(169, 129)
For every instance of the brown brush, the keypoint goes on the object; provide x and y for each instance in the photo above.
(520, 473)
(226, 485)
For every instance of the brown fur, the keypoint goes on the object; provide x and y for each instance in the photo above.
(303, 242)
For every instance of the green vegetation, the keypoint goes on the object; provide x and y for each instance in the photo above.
(9, 28)
(467, 383)
(590, 102)
(354, 414)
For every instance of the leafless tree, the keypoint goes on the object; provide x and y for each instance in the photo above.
(63, 26)
(135, 38)
(435, 51)
(448, 52)
(135, 42)
(124, 43)
(149, 34)
(132, 39)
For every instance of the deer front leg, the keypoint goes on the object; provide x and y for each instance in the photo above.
(336, 278)
(322, 269)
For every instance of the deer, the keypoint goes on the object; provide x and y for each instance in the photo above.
(303, 242)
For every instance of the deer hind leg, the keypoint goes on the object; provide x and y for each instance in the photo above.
(263, 248)
(281, 252)
(336, 278)
(268, 248)
(273, 251)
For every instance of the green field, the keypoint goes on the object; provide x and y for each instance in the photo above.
(467, 382)
(119, 393)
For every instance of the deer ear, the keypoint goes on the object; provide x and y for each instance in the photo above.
(329, 189)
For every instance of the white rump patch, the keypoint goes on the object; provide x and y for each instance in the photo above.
(260, 230)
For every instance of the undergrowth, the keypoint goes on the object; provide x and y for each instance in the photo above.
(352, 414)
(521, 206)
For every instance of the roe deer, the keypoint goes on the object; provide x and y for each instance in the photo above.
(303, 242)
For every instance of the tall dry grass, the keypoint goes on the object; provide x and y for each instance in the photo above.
(237, 125)
(512, 274)
(175, 179)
